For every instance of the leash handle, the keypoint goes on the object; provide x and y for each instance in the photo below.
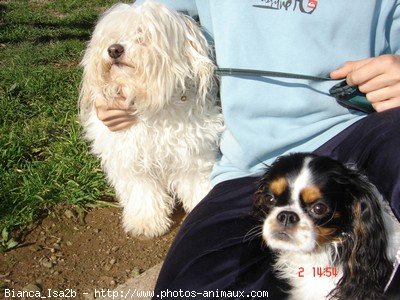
(249, 72)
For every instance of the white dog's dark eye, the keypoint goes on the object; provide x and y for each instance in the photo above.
(319, 209)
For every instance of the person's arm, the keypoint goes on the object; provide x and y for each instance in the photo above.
(378, 77)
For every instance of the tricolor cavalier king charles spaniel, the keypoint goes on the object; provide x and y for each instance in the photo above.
(333, 235)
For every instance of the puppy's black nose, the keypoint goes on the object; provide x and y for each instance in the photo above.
(115, 50)
(288, 218)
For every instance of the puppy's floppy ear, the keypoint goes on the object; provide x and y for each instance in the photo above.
(366, 267)
(259, 196)
(262, 195)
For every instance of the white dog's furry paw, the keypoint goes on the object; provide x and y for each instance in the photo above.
(146, 207)
(149, 226)
(191, 190)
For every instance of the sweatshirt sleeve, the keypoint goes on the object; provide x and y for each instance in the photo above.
(394, 31)
(187, 7)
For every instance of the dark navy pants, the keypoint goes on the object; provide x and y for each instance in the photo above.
(217, 253)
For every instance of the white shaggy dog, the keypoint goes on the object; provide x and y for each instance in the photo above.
(158, 60)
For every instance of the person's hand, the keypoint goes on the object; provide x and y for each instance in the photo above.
(116, 115)
(378, 78)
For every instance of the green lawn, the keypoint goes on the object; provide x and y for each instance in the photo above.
(43, 159)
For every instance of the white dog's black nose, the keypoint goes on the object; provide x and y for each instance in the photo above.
(288, 218)
(115, 50)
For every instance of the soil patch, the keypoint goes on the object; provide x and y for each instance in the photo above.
(64, 253)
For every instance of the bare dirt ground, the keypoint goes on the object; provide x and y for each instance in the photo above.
(64, 253)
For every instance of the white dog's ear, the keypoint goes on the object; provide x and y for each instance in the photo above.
(200, 57)
(85, 102)
(174, 53)
(92, 67)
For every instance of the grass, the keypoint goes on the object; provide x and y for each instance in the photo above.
(43, 159)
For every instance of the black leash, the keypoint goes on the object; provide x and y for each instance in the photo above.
(248, 72)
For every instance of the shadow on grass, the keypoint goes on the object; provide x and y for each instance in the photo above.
(85, 26)
(2, 10)
(50, 38)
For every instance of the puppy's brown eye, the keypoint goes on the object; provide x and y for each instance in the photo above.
(269, 199)
(319, 209)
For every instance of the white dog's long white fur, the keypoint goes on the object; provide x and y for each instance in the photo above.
(166, 74)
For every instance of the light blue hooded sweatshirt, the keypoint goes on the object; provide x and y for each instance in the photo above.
(267, 117)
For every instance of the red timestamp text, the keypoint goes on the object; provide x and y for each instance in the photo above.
(318, 272)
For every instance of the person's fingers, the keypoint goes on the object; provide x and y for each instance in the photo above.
(387, 104)
(116, 115)
(117, 103)
(360, 72)
(119, 119)
(383, 94)
(107, 115)
(366, 72)
(377, 83)
(121, 125)
(348, 67)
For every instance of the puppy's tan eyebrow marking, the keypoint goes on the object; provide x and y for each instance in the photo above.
(310, 194)
(278, 186)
